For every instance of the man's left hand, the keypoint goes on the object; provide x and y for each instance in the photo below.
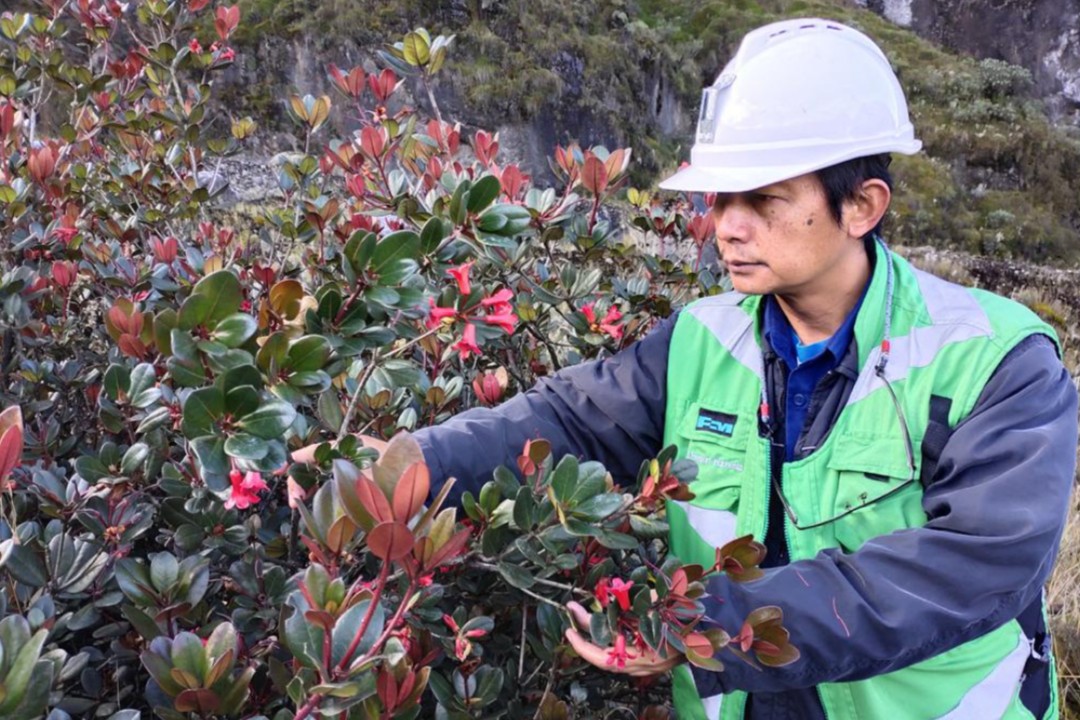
(644, 664)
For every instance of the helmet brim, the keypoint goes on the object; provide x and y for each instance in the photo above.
(727, 180)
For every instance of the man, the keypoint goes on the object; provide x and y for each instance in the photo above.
(904, 447)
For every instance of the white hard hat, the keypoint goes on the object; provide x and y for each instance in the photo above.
(799, 95)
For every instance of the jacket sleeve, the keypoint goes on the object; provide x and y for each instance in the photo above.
(609, 410)
(997, 507)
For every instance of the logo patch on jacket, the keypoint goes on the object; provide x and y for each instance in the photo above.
(716, 422)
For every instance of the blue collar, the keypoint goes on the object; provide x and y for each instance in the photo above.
(781, 338)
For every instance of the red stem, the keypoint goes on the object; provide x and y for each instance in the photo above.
(379, 587)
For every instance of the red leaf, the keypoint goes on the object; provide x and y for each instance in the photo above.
(11, 441)
(372, 498)
(225, 21)
(699, 644)
(372, 142)
(390, 541)
(411, 491)
(200, 701)
(449, 550)
(594, 177)
(132, 346)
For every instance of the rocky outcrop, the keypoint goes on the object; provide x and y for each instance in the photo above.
(1040, 35)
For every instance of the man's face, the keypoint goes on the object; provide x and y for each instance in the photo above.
(781, 239)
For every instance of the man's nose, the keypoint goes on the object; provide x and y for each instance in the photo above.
(730, 219)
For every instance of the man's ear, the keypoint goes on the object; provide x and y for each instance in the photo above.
(863, 212)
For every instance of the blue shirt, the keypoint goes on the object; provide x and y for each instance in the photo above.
(806, 364)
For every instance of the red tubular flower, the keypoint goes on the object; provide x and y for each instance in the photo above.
(602, 592)
(245, 489)
(194, 45)
(589, 311)
(621, 591)
(507, 321)
(467, 345)
(438, 315)
(618, 655)
(499, 303)
(461, 276)
(608, 323)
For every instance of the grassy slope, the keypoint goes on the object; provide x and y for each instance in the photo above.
(996, 177)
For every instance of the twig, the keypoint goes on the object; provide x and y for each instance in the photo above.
(521, 655)
(351, 410)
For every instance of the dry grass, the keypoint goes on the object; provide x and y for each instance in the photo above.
(1063, 598)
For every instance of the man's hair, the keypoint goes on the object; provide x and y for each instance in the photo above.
(842, 182)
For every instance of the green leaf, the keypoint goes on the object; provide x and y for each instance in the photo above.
(164, 570)
(615, 540)
(202, 409)
(143, 378)
(246, 447)
(516, 575)
(134, 580)
(271, 356)
(270, 421)
(599, 507)
(234, 330)
(194, 312)
(242, 400)
(115, 381)
(591, 482)
(524, 505)
(22, 669)
(347, 626)
(210, 451)
(91, 469)
(432, 234)
(26, 566)
(483, 193)
(308, 353)
(416, 49)
(401, 245)
(223, 288)
(565, 478)
(143, 623)
(134, 457)
(189, 654)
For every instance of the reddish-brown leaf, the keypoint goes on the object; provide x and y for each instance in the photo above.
(411, 491)
(11, 441)
(390, 541)
(200, 701)
(340, 534)
(320, 618)
(373, 499)
(132, 346)
(449, 550)
(594, 177)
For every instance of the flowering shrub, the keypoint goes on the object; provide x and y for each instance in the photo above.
(159, 365)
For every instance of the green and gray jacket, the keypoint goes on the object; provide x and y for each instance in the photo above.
(924, 604)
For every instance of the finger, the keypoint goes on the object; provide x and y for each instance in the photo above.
(370, 441)
(305, 454)
(588, 652)
(578, 614)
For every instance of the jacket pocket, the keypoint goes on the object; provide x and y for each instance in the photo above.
(717, 442)
(877, 491)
